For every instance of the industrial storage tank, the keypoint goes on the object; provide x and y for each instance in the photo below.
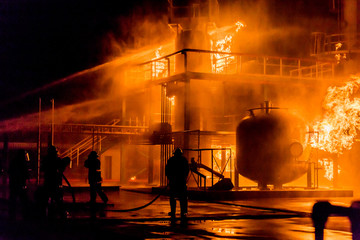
(271, 147)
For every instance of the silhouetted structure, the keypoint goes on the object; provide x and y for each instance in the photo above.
(177, 171)
(93, 164)
(18, 175)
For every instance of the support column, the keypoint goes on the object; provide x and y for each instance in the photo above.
(335, 172)
(5, 160)
(123, 179)
(150, 165)
(187, 114)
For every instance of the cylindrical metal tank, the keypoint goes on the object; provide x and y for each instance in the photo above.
(270, 147)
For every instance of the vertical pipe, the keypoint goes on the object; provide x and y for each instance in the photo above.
(187, 114)
(162, 165)
(185, 61)
(100, 144)
(308, 176)
(150, 165)
(281, 67)
(223, 161)
(168, 63)
(231, 167)
(212, 167)
(161, 168)
(77, 156)
(93, 139)
(240, 64)
(237, 64)
(264, 65)
(52, 120)
(335, 172)
(39, 144)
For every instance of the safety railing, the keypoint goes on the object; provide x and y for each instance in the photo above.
(334, 43)
(98, 133)
(341, 42)
(224, 63)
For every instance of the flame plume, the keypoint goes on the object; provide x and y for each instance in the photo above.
(338, 129)
(220, 62)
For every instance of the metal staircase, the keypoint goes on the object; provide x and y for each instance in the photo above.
(97, 134)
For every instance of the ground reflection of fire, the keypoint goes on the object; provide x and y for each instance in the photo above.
(338, 128)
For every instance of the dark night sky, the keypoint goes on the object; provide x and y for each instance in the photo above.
(42, 41)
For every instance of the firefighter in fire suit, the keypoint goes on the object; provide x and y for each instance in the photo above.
(18, 176)
(93, 164)
(53, 167)
(177, 171)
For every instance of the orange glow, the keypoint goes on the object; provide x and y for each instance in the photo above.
(220, 62)
(133, 178)
(218, 155)
(172, 101)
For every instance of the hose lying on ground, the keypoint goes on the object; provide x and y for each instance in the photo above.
(137, 208)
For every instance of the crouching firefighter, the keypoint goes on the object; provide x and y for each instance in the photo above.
(177, 171)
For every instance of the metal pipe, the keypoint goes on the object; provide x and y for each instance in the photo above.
(52, 121)
(39, 144)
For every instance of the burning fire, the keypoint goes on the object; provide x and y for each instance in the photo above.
(341, 121)
(219, 61)
(338, 56)
(159, 67)
(328, 165)
(338, 46)
(338, 128)
(229, 153)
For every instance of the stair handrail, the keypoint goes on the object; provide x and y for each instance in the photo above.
(86, 141)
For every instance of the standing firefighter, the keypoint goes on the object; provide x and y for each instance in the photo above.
(53, 167)
(177, 171)
(51, 175)
(18, 175)
(93, 164)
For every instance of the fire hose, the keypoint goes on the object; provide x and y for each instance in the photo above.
(137, 208)
(70, 187)
(143, 206)
(116, 210)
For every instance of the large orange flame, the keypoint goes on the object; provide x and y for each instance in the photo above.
(220, 62)
(159, 67)
(338, 128)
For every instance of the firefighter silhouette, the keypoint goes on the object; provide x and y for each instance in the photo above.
(18, 176)
(177, 171)
(94, 176)
(54, 167)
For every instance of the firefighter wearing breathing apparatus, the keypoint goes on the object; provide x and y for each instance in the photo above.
(177, 171)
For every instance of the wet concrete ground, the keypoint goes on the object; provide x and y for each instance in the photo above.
(275, 218)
